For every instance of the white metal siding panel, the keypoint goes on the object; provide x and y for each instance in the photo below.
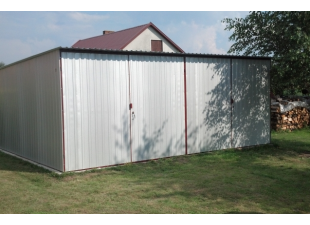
(208, 104)
(30, 110)
(96, 113)
(251, 94)
(157, 95)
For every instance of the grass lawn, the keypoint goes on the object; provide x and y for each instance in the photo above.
(268, 179)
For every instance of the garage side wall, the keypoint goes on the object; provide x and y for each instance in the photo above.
(96, 110)
(30, 110)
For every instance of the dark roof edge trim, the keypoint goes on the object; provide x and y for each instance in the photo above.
(31, 57)
(122, 52)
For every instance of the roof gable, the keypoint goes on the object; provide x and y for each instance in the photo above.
(119, 39)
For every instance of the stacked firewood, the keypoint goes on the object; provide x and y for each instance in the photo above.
(294, 119)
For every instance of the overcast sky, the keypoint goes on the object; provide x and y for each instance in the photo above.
(24, 34)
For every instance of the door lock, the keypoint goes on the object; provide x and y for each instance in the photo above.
(133, 116)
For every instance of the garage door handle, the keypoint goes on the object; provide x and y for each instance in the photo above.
(133, 116)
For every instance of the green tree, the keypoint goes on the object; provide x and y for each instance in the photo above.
(2, 64)
(281, 35)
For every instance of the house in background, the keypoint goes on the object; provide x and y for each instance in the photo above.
(146, 37)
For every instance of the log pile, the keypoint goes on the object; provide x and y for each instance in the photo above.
(296, 118)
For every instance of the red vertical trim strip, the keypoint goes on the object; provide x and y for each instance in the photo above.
(185, 105)
(62, 115)
(130, 140)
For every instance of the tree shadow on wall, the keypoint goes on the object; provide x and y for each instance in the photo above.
(217, 123)
(121, 151)
(155, 143)
(147, 143)
(251, 107)
(208, 107)
(244, 122)
(216, 112)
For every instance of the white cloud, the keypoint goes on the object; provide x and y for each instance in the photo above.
(83, 17)
(200, 39)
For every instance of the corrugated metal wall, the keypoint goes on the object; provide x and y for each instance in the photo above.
(208, 104)
(157, 95)
(30, 110)
(250, 91)
(98, 122)
(96, 110)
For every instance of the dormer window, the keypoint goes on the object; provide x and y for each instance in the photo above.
(156, 45)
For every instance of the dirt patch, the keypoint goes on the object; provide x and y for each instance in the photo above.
(305, 155)
(182, 160)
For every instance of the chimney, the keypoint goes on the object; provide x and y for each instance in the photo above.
(107, 32)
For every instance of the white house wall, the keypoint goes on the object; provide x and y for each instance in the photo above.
(157, 95)
(96, 110)
(208, 104)
(143, 42)
(251, 111)
(30, 110)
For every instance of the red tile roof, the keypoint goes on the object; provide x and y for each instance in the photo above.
(120, 39)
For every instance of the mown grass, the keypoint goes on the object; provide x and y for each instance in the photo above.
(267, 179)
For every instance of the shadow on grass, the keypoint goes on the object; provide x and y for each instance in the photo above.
(11, 163)
(265, 179)
(244, 212)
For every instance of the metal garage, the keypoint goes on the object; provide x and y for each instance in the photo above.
(73, 109)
